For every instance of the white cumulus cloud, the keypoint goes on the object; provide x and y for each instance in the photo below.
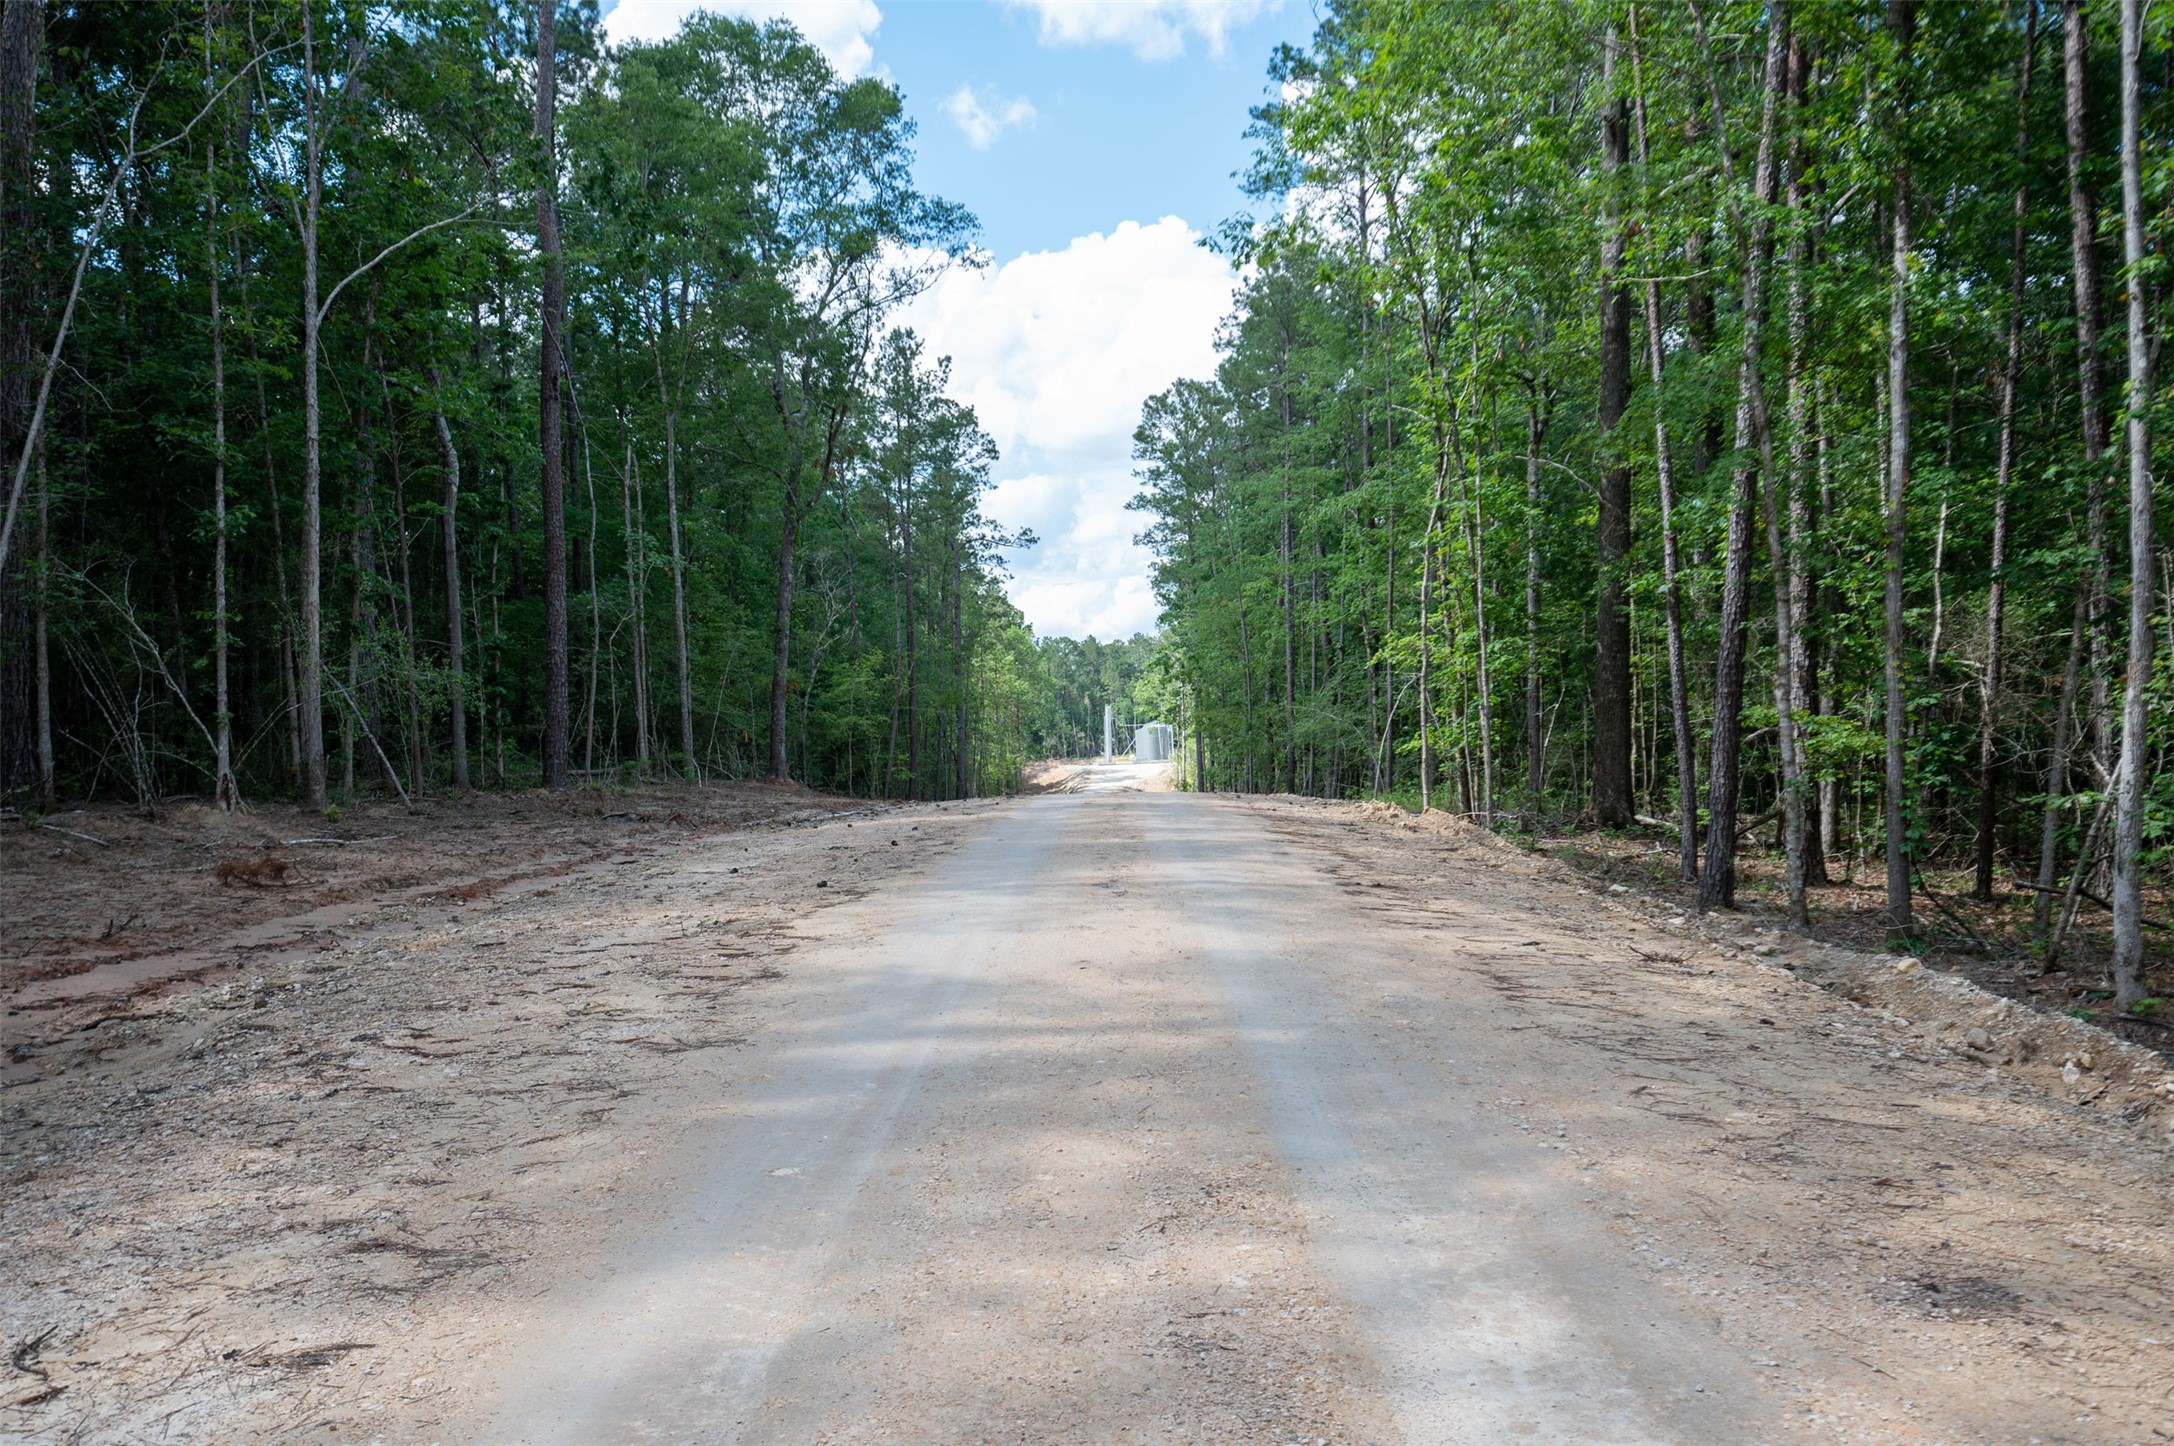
(983, 121)
(841, 29)
(1152, 29)
(1056, 350)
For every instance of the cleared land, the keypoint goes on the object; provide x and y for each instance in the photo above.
(1097, 1117)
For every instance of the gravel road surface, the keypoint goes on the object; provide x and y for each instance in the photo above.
(1100, 1138)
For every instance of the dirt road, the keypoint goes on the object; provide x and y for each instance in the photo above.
(1151, 1117)
(1131, 1124)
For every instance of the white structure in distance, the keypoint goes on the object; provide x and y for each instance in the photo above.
(1154, 743)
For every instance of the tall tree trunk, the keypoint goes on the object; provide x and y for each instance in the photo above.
(549, 422)
(913, 647)
(1781, 557)
(1384, 757)
(596, 599)
(1724, 779)
(411, 675)
(311, 723)
(1664, 466)
(958, 652)
(1902, 17)
(1807, 823)
(1290, 657)
(679, 596)
(1425, 674)
(1475, 539)
(22, 35)
(781, 649)
(2086, 626)
(1996, 596)
(2130, 983)
(48, 790)
(224, 792)
(457, 677)
(1535, 722)
(1612, 801)
(637, 568)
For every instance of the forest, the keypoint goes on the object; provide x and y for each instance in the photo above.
(1694, 416)
(379, 419)
(1689, 417)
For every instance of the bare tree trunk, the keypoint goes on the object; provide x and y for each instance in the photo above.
(1996, 597)
(958, 652)
(2090, 361)
(2090, 608)
(47, 785)
(1813, 797)
(1612, 801)
(224, 792)
(679, 595)
(1679, 699)
(637, 570)
(549, 425)
(1425, 674)
(782, 634)
(2130, 983)
(1830, 787)
(596, 600)
(311, 724)
(1290, 633)
(1200, 750)
(411, 690)
(1475, 534)
(1781, 557)
(1717, 882)
(1384, 757)
(1535, 722)
(450, 509)
(22, 35)
(1902, 16)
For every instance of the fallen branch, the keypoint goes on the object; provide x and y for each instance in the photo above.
(1951, 916)
(2086, 895)
(392, 774)
(342, 842)
(87, 838)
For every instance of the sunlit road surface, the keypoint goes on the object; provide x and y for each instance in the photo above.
(1098, 1132)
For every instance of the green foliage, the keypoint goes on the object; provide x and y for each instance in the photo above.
(746, 429)
(1374, 524)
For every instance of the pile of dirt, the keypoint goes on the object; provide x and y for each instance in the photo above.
(1053, 775)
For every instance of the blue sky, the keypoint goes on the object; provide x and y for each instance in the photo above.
(1095, 140)
(1114, 137)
